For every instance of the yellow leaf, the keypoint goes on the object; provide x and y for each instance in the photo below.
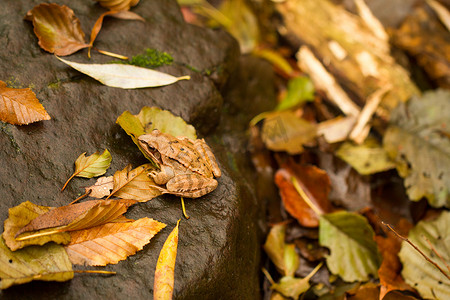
(20, 106)
(102, 187)
(118, 4)
(112, 242)
(165, 267)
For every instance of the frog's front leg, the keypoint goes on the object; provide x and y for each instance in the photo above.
(190, 185)
(162, 176)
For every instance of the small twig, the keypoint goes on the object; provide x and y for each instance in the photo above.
(417, 249)
(81, 197)
(184, 209)
(267, 274)
(438, 255)
(95, 272)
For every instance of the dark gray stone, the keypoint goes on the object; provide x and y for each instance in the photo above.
(219, 246)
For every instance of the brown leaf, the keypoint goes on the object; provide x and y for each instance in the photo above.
(118, 4)
(165, 267)
(102, 187)
(20, 106)
(112, 242)
(21, 215)
(57, 28)
(134, 184)
(79, 216)
(316, 185)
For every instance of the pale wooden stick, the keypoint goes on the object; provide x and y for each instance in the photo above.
(441, 11)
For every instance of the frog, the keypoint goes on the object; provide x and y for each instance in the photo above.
(187, 167)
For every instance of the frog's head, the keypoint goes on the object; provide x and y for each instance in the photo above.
(150, 145)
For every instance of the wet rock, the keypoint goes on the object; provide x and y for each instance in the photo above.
(219, 246)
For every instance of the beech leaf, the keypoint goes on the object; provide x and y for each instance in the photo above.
(418, 141)
(57, 28)
(124, 76)
(112, 242)
(134, 184)
(165, 267)
(102, 187)
(20, 216)
(284, 131)
(92, 166)
(78, 216)
(368, 158)
(417, 271)
(49, 263)
(354, 254)
(150, 118)
(20, 106)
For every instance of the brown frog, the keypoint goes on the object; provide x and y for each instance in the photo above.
(187, 167)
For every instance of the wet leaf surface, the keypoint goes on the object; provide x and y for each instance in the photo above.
(102, 187)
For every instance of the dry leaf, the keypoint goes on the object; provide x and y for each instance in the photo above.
(49, 262)
(165, 267)
(112, 242)
(125, 76)
(21, 215)
(92, 166)
(57, 28)
(134, 184)
(316, 185)
(102, 187)
(118, 4)
(20, 106)
(79, 216)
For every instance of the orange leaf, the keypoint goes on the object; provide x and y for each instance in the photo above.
(112, 242)
(316, 185)
(165, 267)
(78, 216)
(118, 4)
(57, 28)
(20, 106)
(102, 187)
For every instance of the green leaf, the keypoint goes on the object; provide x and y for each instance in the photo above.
(354, 254)
(417, 271)
(368, 158)
(299, 90)
(150, 118)
(284, 131)
(418, 141)
(124, 76)
(49, 262)
(91, 166)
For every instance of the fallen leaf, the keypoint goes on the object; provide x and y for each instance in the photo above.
(134, 184)
(353, 252)
(281, 254)
(150, 118)
(110, 243)
(20, 106)
(284, 131)
(316, 185)
(299, 90)
(102, 187)
(367, 291)
(57, 28)
(49, 263)
(415, 141)
(418, 272)
(20, 216)
(118, 4)
(78, 216)
(124, 76)
(92, 166)
(280, 64)
(368, 158)
(389, 271)
(293, 287)
(165, 267)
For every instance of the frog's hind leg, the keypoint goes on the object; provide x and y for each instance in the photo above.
(190, 185)
(203, 148)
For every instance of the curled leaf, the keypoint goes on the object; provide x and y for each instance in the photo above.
(20, 106)
(49, 262)
(92, 166)
(165, 267)
(112, 242)
(125, 76)
(20, 216)
(118, 4)
(57, 28)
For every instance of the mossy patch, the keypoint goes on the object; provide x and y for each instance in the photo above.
(152, 58)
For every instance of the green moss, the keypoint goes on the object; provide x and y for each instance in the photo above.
(54, 85)
(6, 128)
(151, 59)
